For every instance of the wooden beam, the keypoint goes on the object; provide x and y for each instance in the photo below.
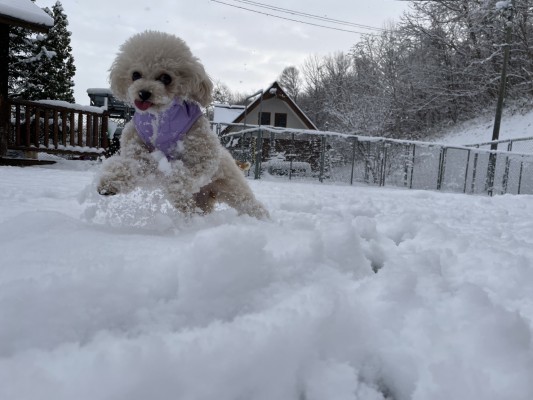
(4, 72)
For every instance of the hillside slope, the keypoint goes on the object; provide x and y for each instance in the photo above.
(517, 122)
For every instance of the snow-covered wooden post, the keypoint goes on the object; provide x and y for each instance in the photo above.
(26, 14)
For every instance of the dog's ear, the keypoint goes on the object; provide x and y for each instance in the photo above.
(205, 90)
(118, 84)
(200, 86)
(119, 79)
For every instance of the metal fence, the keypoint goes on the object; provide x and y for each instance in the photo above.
(520, 145)
(350, 159)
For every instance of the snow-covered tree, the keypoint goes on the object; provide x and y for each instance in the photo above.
(56, 68)
(20, 47)
(43, 65)
(441, 63)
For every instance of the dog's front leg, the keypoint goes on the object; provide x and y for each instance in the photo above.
(124, 171)
(121, 175)
(179, 189)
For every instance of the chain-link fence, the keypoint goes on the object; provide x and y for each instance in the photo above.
(349, 159)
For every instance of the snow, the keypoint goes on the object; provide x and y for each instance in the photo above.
(100, 91)
(516, 123)
(121, 297)
(25, 10)
(225, 113)
(72, 106)
(503, 5)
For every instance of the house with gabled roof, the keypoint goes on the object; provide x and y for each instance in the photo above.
(273, 107)
(292, 142)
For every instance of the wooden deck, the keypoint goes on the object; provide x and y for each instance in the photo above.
(42, 127)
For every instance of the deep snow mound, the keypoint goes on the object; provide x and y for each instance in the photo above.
(346, 293)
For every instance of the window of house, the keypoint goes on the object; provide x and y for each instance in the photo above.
(264, 118)
(280, 119)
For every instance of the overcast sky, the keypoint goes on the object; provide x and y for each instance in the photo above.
(245, 50)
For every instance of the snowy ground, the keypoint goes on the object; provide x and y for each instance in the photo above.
(120, 298)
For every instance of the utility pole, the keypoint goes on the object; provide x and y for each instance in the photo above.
(509, 10)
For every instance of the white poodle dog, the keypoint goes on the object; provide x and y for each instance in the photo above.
(169, 142)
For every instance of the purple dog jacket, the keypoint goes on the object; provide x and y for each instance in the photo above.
(163, 131)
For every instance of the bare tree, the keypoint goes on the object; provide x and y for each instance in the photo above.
(291, 82)
(440, 64)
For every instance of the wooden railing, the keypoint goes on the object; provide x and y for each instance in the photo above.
(44, 127)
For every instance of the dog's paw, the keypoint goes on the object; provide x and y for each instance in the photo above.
(260, 213)
(254, 209)
(106, 189)
(106, 192)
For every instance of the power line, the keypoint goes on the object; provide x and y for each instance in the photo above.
(289, 19)
(306, 15)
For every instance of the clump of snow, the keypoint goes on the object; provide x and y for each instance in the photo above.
(163, 164)
(123, 297)
(503, 5)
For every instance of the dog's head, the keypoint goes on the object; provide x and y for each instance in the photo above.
(152, 68)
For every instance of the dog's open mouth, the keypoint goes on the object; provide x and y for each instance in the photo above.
(143, 105)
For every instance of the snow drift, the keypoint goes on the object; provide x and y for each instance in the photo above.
(347, 293)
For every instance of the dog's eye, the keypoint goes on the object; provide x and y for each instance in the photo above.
(165, 79)
(136, 75)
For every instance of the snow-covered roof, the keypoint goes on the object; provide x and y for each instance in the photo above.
(102, 91)
(226, 113)
(24, 12)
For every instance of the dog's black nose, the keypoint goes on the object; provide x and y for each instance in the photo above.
(144, 95)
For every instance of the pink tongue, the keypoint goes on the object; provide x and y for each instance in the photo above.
(143, 105)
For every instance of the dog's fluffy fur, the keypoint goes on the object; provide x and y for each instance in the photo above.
(204, 172)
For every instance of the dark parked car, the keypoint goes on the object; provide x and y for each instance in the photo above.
(115, 108)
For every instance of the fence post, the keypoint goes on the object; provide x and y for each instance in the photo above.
(366, 156)
(491, 171)
(442, 167)
(37, 127)
(353, 158)
(383, 164)
(412, 167)
(474, 173)
(322, 157)
(258, 154)
(18, 140)
(293, 152)
(505, 179)
(466, 171)
(520, 177)
(406, 164)
(27, 136)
